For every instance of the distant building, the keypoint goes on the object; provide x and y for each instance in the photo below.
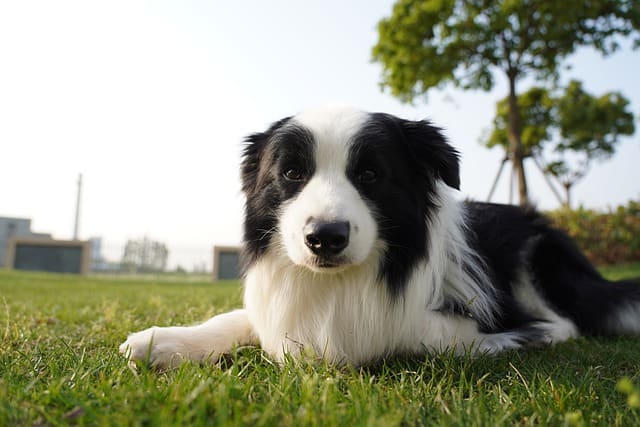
(46, 254)
(15, 228)
(22, 249)
(226, 262)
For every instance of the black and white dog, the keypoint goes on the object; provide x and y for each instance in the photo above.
(356, 250)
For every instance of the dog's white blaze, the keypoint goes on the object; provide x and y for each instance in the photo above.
(329, 195)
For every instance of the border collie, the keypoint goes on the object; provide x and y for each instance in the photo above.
(355, 250)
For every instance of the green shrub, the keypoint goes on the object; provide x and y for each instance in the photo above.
(611, 237)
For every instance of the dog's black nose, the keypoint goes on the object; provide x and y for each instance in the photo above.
(326, 238)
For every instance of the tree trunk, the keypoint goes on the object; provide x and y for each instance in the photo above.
(567, 192)
(515, 143)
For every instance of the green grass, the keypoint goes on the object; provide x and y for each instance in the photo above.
(59, 366)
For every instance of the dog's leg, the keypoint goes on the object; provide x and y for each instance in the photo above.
(444, 332)
(168, 346)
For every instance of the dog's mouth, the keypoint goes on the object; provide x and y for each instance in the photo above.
(328, 265)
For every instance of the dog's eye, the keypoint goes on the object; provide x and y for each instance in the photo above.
(293, 174)
(367, 176)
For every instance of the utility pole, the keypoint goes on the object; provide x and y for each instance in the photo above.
(76, 224)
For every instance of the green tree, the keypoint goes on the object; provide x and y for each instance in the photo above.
(428, 43)
(590, 128)
(564, 134)
(535, 107)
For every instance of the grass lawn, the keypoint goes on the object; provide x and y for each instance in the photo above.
(59, 366)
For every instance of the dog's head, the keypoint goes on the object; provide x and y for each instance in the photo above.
(333, 187)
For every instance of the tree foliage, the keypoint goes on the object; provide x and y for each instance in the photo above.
(426, 44)
(565, 133)
(592, 124)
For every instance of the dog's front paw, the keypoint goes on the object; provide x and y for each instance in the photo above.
(152, 347)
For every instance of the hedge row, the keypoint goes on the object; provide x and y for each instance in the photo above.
(611, 237)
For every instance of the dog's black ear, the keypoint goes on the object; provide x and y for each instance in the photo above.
(429, 147)
(252, 153)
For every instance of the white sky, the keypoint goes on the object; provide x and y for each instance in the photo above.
(151, 100)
